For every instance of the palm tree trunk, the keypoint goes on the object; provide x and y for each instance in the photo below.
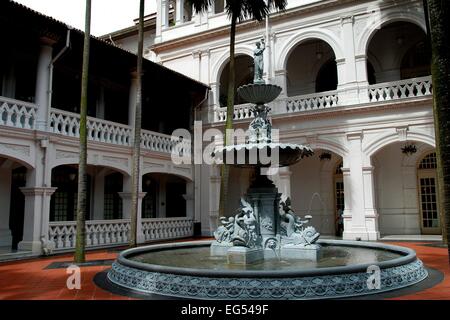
(225, 169)
(137, 133)
(80, 244)
(439, 12)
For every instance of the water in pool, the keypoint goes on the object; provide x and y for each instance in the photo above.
(199, 258)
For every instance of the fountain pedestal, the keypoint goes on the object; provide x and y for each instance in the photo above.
(244, 255)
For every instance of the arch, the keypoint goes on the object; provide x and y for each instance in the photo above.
(387, 18)
(330, 166)
(17, 157)
(164, 170)
(380, 142)
(332, 146)
(225, 57)
(295, 40)
(90, 162)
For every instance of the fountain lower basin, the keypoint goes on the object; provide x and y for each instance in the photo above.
(186, 270)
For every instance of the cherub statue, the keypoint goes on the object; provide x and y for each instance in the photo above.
(245, 227)
(225, 232)
(294, 226)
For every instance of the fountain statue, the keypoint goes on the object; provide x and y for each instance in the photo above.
(259, 62)
(265, 222)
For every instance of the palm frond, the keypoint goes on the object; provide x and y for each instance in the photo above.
(242, 9)
(200, 5)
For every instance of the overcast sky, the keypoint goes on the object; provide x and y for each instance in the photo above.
(107, 15)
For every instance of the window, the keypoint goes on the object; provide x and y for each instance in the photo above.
(112, 200)
(429, 162)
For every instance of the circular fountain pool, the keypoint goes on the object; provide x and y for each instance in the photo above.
(187, 270)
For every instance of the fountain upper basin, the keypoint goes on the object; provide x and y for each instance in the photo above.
(259, 93)
(250, 154)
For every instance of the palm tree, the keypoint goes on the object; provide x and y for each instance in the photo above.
(439, 11)
(137, 132)
(237, 10)
(80, 256)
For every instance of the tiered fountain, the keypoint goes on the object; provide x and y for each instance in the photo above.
(265, 225)
(265, 251)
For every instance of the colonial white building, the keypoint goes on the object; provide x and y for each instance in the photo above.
(356, 88)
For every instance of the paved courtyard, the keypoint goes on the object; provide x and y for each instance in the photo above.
(42, 279)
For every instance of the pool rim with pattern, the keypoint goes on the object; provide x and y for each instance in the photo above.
(407, 256)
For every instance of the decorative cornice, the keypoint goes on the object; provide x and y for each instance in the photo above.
(38, 191)
(347, 19)
(358, 135)
(128, 195)
(402, 133)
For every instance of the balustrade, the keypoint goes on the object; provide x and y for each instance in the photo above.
(116, 232)
(19, 114)
(410, 88)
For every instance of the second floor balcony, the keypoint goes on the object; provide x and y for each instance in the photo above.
(23, 115)
(315, 78)
(408, 89)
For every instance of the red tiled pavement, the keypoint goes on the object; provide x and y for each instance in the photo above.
(29, 280)
(432, 257)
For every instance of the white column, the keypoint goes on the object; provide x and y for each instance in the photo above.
(327, 199)
(161, 198)
(189, 197)
(197, 193)
(5, 202)
(179, 12)
(362, 78)
(204, 66)
(126, 205)
(37, 210)
(164, 14)
(281, 80)
(214, 196)
(284, 181)
(370, 211)
(132, 99)
(347, 80)
(99, 196)
(196, 55)
(354, 213)
(42, 83)
(159, 21)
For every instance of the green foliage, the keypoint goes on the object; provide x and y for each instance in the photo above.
(439, 12)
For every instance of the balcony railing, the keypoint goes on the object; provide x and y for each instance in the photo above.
(315, 101)
(241, 111)
(168, 228)
(116, 232)
(19, 114)
(410, 88)
(164, 143)
(68, 124)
